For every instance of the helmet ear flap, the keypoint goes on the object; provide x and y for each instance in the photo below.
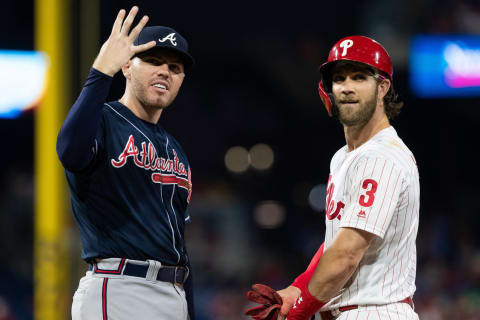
(327, 98)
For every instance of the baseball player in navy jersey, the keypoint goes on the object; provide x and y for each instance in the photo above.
(366, 267)
(130, 180)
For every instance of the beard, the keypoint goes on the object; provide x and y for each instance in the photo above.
(149, 101)
(349, 117)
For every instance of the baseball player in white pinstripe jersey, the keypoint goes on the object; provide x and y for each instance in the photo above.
(367, 269)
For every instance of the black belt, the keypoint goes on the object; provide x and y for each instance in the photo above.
(172, 274)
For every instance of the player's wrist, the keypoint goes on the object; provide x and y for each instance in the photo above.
(294, 290)
(109, 71)
(105, 64)
(305, 306)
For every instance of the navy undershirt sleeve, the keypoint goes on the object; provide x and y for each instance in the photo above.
(76, 141)
(188, 286)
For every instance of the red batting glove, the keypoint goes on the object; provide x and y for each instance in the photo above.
(263, 294)
(270, 300)
(264, 312)
(305, 306)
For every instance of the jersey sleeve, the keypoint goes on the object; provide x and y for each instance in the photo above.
(80, 137)
(374, 192)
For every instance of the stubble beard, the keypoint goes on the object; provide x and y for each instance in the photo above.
(141, 93)
(359, 117)
(149, 103)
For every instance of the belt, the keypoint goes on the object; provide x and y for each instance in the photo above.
(173, 274)
(328, 315)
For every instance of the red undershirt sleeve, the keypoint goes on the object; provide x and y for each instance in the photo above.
(305, 277)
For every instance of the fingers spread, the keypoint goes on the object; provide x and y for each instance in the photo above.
(136, 31)
(129, 20)
(144, 47)
(117, 25)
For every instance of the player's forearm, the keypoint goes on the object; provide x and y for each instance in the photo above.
(77, 135)
(333, 271)
(339, 262)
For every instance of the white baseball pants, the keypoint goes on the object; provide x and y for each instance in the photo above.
(122, 297)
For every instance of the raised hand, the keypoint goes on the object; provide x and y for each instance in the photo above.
(119, 48)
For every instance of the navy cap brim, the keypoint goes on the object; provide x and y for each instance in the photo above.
(187, 59)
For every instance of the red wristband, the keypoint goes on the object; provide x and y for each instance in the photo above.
(305, 306)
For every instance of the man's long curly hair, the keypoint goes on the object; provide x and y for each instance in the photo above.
(393, 105)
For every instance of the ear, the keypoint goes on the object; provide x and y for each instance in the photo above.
(383, 88)
(126, 70)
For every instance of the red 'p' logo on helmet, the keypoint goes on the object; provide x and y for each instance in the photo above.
(366, 51)
(345, 44)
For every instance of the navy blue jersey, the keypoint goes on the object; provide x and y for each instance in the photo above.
(131, 198)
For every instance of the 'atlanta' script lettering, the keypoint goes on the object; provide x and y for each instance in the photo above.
(148, 159)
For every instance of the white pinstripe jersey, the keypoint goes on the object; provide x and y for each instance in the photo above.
(376, 188)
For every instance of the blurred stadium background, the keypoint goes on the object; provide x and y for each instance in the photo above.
(260, 143)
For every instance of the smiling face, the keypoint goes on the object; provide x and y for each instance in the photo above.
(154, 77)
(355, 90)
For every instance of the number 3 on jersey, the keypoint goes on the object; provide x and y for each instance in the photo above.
(370, 185)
